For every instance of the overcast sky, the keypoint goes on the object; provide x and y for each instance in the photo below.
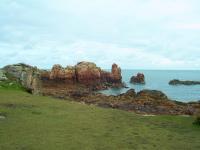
(136, 34)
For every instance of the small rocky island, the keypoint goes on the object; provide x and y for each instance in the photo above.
(81, 83)
(179, 82)
(138, 79)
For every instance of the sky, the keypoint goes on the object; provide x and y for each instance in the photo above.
(135, 34)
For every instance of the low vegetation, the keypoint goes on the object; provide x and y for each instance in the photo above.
(30, 122)
(10, 85)
(197, 120)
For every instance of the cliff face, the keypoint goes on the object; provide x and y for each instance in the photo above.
(86, 73)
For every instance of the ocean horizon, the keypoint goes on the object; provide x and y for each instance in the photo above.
(158, 80)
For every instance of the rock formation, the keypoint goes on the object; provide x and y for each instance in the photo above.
(86, 73)
(60, 73)
(154, 94)
(139, 78)
(27, 76)
(2, 75)
(179, 82)
(31, 81)
(116, 73)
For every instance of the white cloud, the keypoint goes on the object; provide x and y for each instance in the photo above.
(47, 53)
(187, 26)
(133, 33)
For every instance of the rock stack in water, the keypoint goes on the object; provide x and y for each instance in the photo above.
(138, 79)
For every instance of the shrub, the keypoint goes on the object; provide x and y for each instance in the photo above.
(197, 120)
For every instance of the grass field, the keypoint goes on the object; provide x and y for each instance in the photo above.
(30, 122)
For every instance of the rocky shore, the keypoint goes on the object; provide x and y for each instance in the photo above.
(82, 82)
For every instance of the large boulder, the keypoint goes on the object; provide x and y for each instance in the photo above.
(129, 93)
(15, 71)
(31, 81)
(139, 79)
(26, 75)
(152, 94)
(87, 73)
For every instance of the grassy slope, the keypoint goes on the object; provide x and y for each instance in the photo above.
(43, 123)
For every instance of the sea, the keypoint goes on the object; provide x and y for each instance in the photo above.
(158, 80)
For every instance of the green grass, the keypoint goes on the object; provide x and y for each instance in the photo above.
(43, 123)
(10, 85)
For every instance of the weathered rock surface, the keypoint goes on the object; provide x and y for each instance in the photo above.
(2, 75)
(116, 73)
(179, 82)
(154, 94)
(60, 73)
(31, 81)
(16, 70)
(129, 93)
(139, 78)
(27, 76)
(86, 73)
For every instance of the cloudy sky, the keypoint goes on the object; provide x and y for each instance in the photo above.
(136, 34)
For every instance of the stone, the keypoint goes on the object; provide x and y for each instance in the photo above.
(139, 78)
(2, 75)
(26, 75)
(116, 73)
(15, 71)
(88, 73)
(31, 81)
(154, 94)
(130, 93)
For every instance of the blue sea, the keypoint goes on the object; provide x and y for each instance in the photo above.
(158, 80)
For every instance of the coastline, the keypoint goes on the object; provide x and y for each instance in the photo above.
(82, 83)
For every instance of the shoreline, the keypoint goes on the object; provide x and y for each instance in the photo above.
(83, 83)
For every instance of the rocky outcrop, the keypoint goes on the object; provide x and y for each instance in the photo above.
(116, 73)
(179, 82)
(153, 94)
(2, 75)
(27, 76)
(86, 73)
(146, 101)
(129, 93)
(31, 81)
(139, 79)
(15, 71)
(60, 73)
